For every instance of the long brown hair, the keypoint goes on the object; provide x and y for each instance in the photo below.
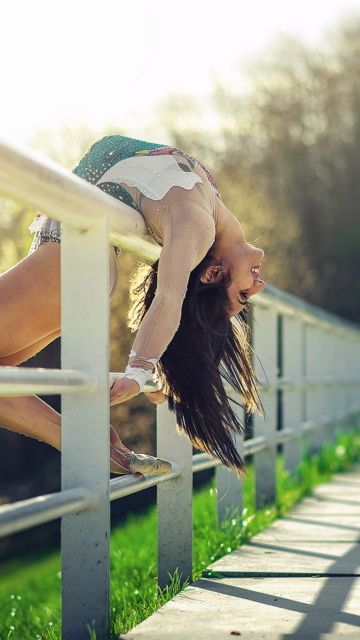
(207, 350)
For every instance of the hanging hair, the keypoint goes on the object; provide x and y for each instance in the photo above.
(207, 350)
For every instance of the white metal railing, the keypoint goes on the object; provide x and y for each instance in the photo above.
(310, 388)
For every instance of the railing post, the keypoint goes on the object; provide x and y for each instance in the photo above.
(85, 430)
(292, 398)
(229, 493)
(229, 487)
(174, 502)
(316, 353)
(265, 348)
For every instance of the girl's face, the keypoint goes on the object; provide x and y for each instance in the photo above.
(244, 266)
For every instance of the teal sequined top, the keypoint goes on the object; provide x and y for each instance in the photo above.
(108, 151)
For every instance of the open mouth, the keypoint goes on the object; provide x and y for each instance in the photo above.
(256, 270)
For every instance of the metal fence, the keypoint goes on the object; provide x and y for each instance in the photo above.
(307, 361)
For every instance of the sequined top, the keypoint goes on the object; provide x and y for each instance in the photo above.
(105, 153)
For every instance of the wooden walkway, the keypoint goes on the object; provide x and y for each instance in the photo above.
(299, 579)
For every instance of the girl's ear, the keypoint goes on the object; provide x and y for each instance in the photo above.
(211, 275)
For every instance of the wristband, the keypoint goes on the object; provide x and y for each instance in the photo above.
(140, 376)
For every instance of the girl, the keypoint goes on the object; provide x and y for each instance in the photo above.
(188, 308)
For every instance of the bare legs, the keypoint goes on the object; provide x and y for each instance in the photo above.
(29, 320)
(31, 417)
(30, 303)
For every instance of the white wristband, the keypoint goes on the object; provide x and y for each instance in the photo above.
(140, 376)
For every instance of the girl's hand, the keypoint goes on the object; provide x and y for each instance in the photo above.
(156, 397)
(123, 389)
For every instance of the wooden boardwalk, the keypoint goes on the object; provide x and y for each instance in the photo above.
(299, 579)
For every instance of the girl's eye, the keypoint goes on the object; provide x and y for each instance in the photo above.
(243, 295)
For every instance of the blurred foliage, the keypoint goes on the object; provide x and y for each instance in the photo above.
(14, 236)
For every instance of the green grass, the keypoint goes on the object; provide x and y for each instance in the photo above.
(30, 589)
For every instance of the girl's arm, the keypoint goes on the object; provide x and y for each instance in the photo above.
(188, 232)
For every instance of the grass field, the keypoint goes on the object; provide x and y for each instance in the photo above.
(30, 588)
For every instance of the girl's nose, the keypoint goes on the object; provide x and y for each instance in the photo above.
(259, 253)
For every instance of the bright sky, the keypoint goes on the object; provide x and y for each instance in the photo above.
(111, 61)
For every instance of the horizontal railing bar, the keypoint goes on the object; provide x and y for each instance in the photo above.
(30, 513)
(128, 484)
(289, 304)
(38, 183)
(19, 381)
(308, 383)
(202, 461)
(23, 380)
(309, 426)
(143, 247)
(26, 514)
(253, 445)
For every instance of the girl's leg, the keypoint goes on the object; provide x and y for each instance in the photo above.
(30, 319)
(30, 300)
(28, 352)
(32, 417)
